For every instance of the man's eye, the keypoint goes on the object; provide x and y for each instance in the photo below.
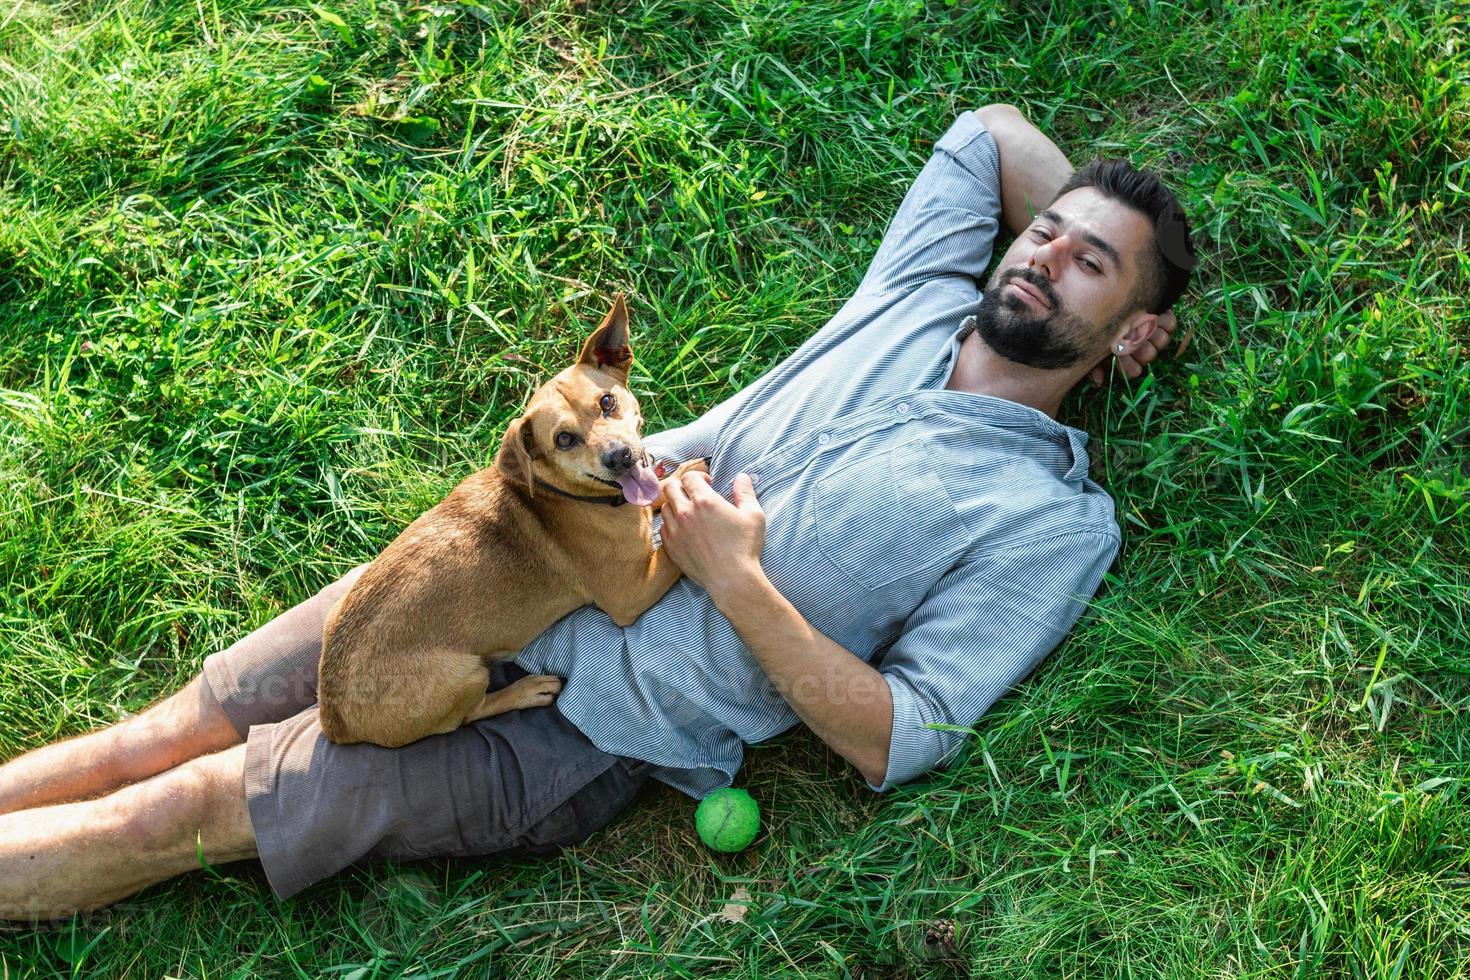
(565, 440)
(1043, 236)
(609, 404)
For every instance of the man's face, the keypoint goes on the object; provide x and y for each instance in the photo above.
(1081, 256)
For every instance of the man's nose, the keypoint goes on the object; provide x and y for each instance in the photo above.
(1045, 259)
(618, 459)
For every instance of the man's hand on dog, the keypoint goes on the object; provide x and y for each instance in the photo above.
(714, 541)
(1133, 364)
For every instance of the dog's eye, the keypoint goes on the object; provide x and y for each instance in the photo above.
(609, 404)
(565, 440)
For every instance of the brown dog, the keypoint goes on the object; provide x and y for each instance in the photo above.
(510, 551)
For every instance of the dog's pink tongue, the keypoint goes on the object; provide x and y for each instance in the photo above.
(639, 487)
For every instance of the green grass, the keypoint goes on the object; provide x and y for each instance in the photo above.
(274, 276)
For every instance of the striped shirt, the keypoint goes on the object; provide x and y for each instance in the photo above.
(949, 539)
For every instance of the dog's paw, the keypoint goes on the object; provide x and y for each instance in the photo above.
(535, 691)
(689, 466)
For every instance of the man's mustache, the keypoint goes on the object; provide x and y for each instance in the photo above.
(1041, 286)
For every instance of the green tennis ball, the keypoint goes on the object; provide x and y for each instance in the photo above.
(728, 820)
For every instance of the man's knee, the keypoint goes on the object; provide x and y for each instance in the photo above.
(340, 587)
(201, 801)
(187, 723)
(155, 815)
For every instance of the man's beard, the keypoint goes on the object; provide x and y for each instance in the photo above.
(1017, 331)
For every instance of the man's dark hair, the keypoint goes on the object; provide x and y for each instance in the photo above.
(1163, 270)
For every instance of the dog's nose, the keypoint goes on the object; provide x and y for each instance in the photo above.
(618, 459)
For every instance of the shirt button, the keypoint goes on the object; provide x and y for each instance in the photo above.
(823, 438)
(903, 408)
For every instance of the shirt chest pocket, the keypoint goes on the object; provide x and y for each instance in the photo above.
(888, 516)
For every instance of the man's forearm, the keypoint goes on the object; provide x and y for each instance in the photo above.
(843, 700)
(1032, 167)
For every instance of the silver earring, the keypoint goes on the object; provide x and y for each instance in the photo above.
(1120, 348)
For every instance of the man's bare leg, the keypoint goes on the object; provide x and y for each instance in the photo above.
(56, 861)
(183, 726)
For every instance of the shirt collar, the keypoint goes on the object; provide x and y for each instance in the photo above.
(1014, 415)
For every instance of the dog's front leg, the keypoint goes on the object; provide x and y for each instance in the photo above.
(658, 576)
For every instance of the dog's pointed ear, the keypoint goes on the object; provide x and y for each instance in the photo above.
(517, 450)
(608, 347)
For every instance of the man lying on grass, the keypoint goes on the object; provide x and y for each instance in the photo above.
(909, 532)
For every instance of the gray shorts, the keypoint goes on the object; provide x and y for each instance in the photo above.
(525, 782)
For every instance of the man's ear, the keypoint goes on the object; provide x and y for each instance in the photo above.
(608, 346)
(517, 450)
(1139, 327)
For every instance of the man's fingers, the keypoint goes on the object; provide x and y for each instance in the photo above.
(742, 493)
(1134, 363)
(696, 485)
(676, 500)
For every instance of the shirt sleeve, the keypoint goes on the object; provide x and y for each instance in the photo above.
(697, 438)
(948, 221)
(981, 630)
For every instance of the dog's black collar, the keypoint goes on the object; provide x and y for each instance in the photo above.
(616, 501)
